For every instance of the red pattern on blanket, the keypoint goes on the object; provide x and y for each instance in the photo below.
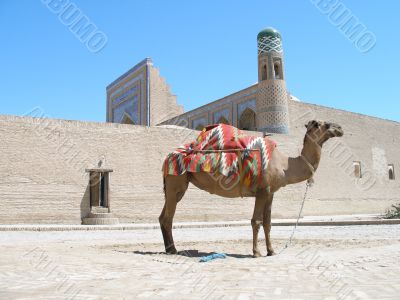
(223, 149)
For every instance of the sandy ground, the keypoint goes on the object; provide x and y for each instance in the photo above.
(330, 262)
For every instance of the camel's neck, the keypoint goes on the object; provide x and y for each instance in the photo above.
(303, 168)
(311, 151)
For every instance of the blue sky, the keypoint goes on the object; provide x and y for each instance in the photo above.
(205, 50)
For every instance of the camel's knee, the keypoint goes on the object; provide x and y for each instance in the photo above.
(162, 218)
(267, 225)
(256, 223)
(165, 221)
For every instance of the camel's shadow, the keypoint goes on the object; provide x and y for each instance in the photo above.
(192, 253)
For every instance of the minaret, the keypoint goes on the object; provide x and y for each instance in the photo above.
(272, 98)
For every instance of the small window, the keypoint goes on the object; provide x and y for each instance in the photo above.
(357, 169)
(391, 172)
(278, 72)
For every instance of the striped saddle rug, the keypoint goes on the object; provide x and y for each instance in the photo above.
(223, 149)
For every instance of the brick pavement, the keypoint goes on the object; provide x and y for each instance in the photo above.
(354, 262)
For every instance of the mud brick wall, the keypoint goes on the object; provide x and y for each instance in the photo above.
(43, 162)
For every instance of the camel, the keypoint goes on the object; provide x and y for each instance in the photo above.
(282, 170)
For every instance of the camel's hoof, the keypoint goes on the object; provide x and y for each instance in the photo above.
(271, 253)
(171, 250)
(256, 254)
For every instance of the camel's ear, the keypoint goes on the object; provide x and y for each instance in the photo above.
(312, 124)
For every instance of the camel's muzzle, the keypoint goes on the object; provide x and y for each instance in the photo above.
(335, 129)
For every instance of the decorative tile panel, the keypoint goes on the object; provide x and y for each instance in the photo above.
(121, 98)
(222, 113)
(200, 121)
(248, 104)
(130, 107)
(269, 44)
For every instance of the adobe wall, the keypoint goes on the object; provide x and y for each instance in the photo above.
(163, 104)
(43, 162)
(372, 141)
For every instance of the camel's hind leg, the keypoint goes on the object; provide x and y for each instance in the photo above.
(267, 224)
(174, 189)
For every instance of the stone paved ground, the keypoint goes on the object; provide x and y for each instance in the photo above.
(343, 262)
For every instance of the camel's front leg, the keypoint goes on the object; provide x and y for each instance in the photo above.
(174, 188)
(267, 224)
(257, 220)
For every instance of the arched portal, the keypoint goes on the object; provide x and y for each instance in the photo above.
(247, 120)
(223, 120)
(200, 127)
(127, 120)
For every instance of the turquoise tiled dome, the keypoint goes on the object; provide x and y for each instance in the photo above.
(269, 32)
(269, 40)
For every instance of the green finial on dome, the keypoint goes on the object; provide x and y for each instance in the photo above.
(269, 32)
(269, 40)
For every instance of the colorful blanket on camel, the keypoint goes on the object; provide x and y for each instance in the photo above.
(223, 149)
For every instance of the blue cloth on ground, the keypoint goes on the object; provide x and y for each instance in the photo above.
(212, 256)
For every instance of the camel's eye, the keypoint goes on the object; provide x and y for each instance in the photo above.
(315, 124)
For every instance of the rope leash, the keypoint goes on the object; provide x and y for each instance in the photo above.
(288, 243)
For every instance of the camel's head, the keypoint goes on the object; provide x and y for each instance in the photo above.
(320, 131)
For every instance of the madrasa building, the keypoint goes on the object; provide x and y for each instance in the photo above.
(76, 172)
(141, 96)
